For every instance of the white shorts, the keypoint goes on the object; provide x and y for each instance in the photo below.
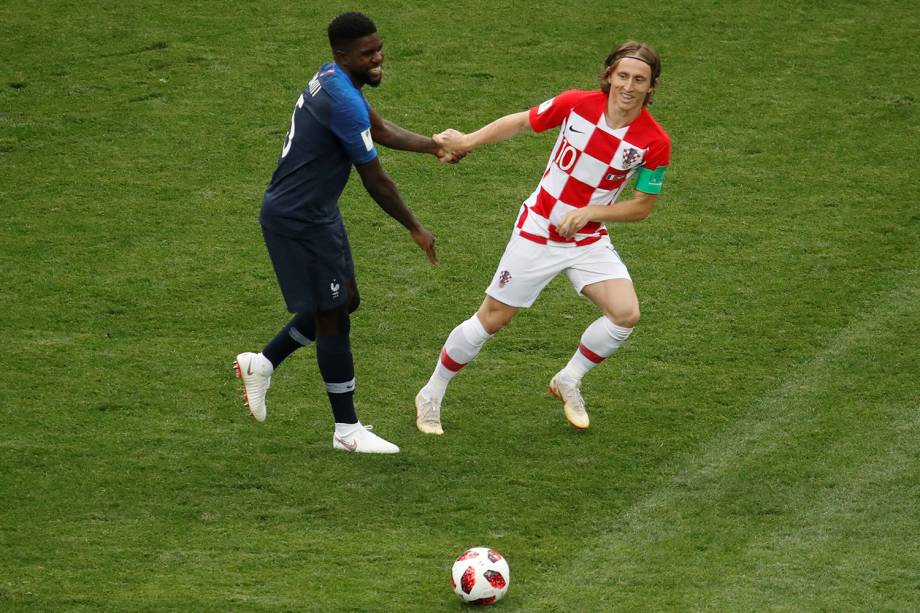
(527, 267)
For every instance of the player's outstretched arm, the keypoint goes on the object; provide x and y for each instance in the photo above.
(392, 136)
(501, 129)
(385, 193)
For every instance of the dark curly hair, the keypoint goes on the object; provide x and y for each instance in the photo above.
(348, 27)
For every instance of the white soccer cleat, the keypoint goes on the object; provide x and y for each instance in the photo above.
(428, 414)
(568, 391)
(256, 373)
(362, 440)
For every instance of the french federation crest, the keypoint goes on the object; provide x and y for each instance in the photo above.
(631, 157)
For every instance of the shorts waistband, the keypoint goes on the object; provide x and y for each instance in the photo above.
(542, 240)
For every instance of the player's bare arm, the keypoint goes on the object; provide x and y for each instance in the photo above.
(392, 136)
(501, 129)
(385, 193)
(636, 208)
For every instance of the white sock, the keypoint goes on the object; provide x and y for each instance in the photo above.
(462, 345)
(346, 429)
(598, 342)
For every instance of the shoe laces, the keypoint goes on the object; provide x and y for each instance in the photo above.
(571, 391)
(430, 409)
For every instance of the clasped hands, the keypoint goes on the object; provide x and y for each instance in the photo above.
(452, 146)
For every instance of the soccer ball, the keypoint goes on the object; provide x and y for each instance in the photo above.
(480, 576)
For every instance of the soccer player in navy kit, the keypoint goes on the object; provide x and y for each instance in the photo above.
(332, 129)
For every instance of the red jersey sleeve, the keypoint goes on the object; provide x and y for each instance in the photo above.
(553, 112)
(659, 154)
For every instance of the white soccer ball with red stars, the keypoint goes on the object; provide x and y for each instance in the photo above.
(480, 576)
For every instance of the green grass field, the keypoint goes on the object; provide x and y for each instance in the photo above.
(755, 446)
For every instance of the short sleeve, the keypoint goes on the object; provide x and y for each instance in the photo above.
(552, 113)
(651, 174)
(659, 154)
(351, 123)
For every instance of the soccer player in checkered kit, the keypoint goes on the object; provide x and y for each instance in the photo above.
(606, 136)
(332, 129)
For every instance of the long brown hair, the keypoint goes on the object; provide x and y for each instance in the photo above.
(636, 50)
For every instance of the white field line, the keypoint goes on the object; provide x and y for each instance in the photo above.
(759, 431)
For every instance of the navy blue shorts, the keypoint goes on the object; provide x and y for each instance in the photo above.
(315, 274)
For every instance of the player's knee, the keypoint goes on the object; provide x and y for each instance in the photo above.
(494, 315)
(625, 318)
(337, 344)
(333, 323)
(492, 323)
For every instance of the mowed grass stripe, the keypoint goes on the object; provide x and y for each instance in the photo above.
(827, 554)
(135, 142)
(803, 503)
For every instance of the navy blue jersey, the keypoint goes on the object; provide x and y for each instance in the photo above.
(330, 131)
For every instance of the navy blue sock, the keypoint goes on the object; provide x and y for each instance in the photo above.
(298, 332)
(333, 354)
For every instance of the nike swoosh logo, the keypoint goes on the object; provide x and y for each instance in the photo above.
(249, 368)
(349, 446)
(574, 130)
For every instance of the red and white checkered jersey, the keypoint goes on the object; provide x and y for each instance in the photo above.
(590, 163)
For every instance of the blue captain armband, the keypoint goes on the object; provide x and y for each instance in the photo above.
(650, 181)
